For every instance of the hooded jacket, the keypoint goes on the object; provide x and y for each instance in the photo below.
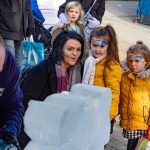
(135, 100)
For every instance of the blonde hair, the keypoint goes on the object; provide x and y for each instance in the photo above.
(73, 4)
(140, 48)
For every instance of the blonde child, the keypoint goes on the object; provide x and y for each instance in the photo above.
(135, 92)
(74, 13)
(102, 67)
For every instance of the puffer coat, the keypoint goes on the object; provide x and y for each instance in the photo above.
(111, 78)
(135, 102)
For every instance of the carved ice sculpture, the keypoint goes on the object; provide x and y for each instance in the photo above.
(75, 120)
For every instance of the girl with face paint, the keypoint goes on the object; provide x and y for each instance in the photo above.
(135, 96)
(102, 67)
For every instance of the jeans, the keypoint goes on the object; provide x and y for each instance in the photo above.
(132, 144)
(16, 49)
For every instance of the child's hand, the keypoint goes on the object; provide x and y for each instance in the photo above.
(148, 133)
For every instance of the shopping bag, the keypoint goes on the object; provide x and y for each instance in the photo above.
(33, 53)
(143, 144)
(7, 146)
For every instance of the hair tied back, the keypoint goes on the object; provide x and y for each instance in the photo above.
(139, 42)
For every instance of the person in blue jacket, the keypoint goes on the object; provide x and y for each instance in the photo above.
(36, 11)
(11, 98)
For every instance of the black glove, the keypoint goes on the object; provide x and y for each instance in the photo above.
(9, 137)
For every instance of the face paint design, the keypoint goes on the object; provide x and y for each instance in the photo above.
(98, 47)
(141, 59)
(101, 43)
(138, 57)
(136, 62)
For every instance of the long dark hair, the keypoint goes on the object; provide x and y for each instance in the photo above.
(57, 54)
(109, 34)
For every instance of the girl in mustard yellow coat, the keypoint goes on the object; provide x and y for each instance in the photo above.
(135, 92)
(102, 67)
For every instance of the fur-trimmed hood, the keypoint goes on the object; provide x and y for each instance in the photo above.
(56, 26)
(143, 74)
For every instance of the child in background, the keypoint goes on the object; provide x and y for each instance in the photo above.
(74, 13)
(102, 67)
(135, 92)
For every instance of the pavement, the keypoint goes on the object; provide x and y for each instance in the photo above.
(122, 16)
(117, 141)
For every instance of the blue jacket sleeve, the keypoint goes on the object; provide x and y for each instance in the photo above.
(13, 101)
(36, 11)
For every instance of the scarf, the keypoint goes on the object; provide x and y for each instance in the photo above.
(62, 78)
(75, 29)
(89, 69)
(75, 74)
(65, 79)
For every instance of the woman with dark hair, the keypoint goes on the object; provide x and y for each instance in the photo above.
(44, 79)
(58, 73)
